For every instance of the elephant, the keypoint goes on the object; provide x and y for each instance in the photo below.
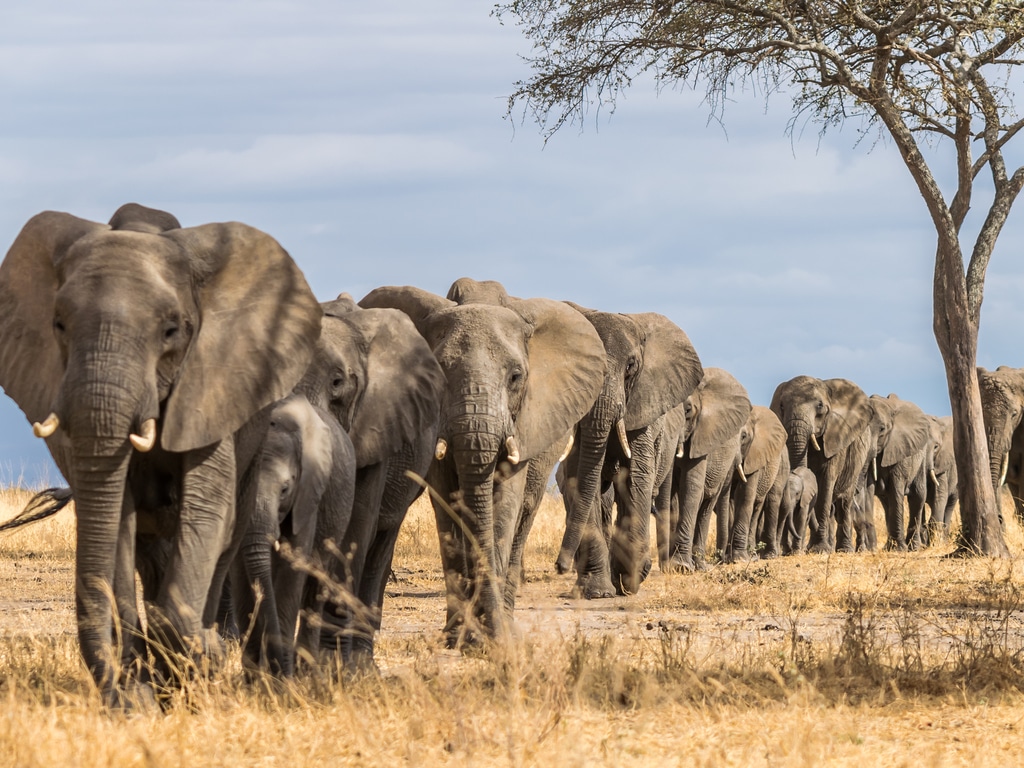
(518, 378)
(147, 355)
(651, 367)
(302, 497)
(378, 378)
(758, 485)
(828, 427)
(942, 490)
(903, 458)
(795, 512)
(705, 461)
(1002, 402)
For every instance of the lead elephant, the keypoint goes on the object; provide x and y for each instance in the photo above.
(146, 355)
(518, 378)
(1002, 403)
(376, 375)
(651, 367)
(299, 503)
(828, 427)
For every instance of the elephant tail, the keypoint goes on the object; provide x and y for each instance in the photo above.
(41, 506)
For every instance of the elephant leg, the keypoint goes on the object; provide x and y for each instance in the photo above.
(821, 540)
(663, 521)
(917, 533)
(773, 526)
(686, 544)
(630, 546)
(894, 518)
(204, 529)
(536, 484)
(344, 616)
(745, 497)
(128, 632)
(845, 514)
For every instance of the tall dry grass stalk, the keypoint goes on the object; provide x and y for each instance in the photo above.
(913, 658)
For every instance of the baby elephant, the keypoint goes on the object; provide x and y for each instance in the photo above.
(298, 502)
(795, 511)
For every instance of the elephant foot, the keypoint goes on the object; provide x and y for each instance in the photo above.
(819, 548)
(594, 587)
(133, 698)
(681, 564)
(769, 554)
(845, 549)
(897, 545)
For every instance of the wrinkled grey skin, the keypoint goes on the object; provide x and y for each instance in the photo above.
(835, 414)
(377, 377)
(518, 378)
(903, 457)
(708, 452)
(797, 510)
(1002, 403)
(199, 329)
(651, 367)
(300, 500)
(758, 486)
(942, 490)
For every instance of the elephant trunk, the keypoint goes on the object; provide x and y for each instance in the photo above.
(475, 442)
(595, 429)
(799, 435)
(99, 475)
(266, 639)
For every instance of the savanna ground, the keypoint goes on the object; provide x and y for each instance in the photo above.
(907, 659)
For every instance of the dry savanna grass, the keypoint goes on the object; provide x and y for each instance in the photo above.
(909, 658)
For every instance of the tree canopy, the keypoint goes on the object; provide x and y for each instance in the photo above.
(919, 72)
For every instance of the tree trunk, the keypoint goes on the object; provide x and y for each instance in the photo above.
(957, 335)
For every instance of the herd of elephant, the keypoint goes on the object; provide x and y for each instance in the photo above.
(225, 436)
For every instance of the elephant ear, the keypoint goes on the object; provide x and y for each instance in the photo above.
(566, 373)
(671, 370)
(404, 385)
(849, 414)
(911, 432)
(139, 218)
(768, 440)
(466, 290)
(415, 302)
(340, 307)
(724, 409)
(317, 463)
(258, 325)
(31, 367)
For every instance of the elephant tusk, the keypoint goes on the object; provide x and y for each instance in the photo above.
(620, 429)
(144, 443)
(440, 449)
(512, 449)
(739, 469)
(48, 427)
(934, 478)
(680, 451)
(1003, 470)
(568, 447)
(874, 467)
(814, 442)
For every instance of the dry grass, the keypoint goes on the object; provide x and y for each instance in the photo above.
(912, 659)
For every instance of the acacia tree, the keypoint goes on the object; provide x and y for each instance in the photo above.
(924, 71)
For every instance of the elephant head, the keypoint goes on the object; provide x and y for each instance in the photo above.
(375, 373)
(716, 411)
(143, 337)
(903, 430)
(1002, 403)
(762, 440)
(651, 367)
(825, 414)
(518, 378)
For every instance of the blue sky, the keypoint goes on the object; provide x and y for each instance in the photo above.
(374, 146)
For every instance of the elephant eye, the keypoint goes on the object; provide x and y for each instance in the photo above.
(170, 332)
(631, 366)
(821, 406)
(58, 325)
(515, 376)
